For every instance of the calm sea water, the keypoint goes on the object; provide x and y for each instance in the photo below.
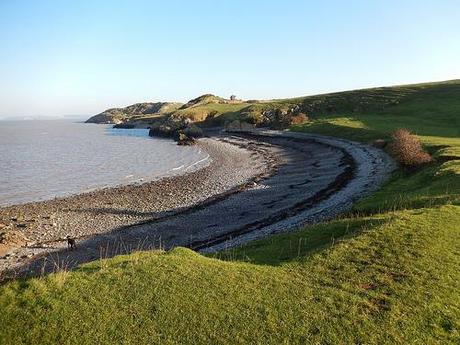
(42, 160)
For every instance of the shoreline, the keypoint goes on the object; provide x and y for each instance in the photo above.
(90, 213)
(172, 173)
(369, 169)
(286, 180)
(131, 177)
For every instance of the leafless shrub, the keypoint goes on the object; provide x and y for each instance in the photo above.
(407, 149)
(299, 119)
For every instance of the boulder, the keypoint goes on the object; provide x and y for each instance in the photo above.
(184, 140)
(379, 143)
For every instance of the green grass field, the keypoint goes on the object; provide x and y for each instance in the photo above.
(387, 272)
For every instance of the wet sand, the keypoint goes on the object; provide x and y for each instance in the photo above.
(255, 186)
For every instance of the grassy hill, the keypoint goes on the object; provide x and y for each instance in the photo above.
(134, 112)
(372, 104)
(387, 272)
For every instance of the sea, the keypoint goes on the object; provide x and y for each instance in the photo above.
(46, 159)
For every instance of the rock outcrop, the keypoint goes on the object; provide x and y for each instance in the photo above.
(177, 127)
(184, 140)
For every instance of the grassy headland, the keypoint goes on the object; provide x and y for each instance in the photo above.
(387, 272)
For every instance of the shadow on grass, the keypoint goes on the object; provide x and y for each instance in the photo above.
(284, 248)
(335, 130)
(96, 266)
(274, 251)
(425, 188)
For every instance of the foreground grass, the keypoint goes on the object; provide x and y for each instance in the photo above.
(391, 278)
(387, 272)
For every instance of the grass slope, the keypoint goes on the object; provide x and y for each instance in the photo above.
(387, 272)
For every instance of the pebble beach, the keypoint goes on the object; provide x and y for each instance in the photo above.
(254, 185)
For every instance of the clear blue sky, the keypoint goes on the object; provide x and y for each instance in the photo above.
(80, 57)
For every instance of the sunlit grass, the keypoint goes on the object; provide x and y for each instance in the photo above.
(387, 272)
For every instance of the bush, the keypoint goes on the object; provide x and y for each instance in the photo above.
(407, 149)
(299, 119)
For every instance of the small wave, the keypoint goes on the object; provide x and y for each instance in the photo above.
(178, 168)
(88, 160)
(201, 160)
